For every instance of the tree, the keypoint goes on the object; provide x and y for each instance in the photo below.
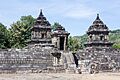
(115, 37)
(73, 44)
(4, 37)
(116, 46)
(20, 31)
(55, 25)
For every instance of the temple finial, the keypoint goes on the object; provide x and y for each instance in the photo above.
(97, 14)
(41, 14)
(97, 17)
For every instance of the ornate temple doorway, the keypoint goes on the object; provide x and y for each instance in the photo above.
(62, 43)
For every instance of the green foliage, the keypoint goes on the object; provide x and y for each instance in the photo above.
(114, 36)
(73, 44)
(55, 25)
(20, 31)
(4, 37)
(82, 40)
(116, 45)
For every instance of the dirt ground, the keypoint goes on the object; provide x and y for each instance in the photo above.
(60, 76)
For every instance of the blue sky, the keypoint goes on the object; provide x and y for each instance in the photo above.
(75, 15)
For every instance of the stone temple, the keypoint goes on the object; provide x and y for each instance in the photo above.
(98, 54)
(47, 51)
(98, 34)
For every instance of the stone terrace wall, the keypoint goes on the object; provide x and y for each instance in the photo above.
(13, 60)
(107, 59)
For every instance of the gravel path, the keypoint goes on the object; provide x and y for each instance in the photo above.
(60, 76)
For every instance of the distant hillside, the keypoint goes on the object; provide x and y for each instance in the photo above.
(114, 36)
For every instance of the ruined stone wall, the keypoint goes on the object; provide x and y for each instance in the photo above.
(25, 59)
(108, 59)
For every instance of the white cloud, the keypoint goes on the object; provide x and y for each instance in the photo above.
(64, 8)
(71, 10)
(80, 12)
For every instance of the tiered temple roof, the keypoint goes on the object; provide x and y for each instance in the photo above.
(98, 27)
(41, 22)
(41, 31)
(60, 30)
(98, 34)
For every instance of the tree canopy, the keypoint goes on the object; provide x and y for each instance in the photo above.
(4, 37)
(73, 44)
(55, 25)
(20, 31)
